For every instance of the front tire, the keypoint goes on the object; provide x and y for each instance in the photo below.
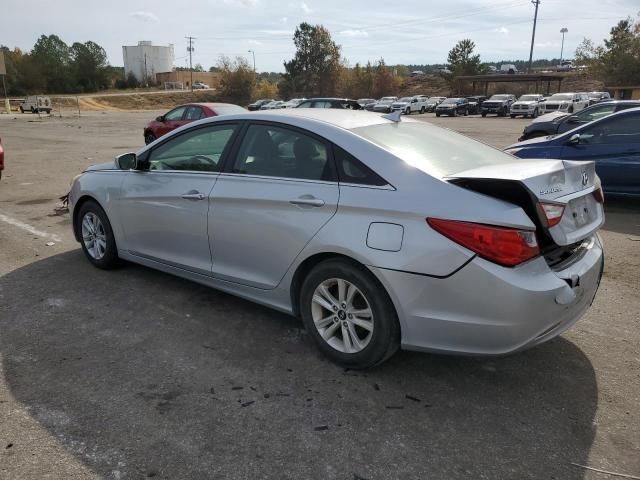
(349, 314)
(422, 109)
(570, 109)
(513, 116)
(535, 113)
(149, 138)
(484, 115)
(96, 236)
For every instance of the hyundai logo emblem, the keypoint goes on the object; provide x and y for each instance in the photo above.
(585, 179)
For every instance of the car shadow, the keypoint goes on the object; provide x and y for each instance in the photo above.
(622, 215)
(159, 377)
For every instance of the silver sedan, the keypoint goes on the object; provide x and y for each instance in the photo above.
(379, 233)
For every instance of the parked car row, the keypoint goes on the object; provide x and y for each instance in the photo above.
(271, 104)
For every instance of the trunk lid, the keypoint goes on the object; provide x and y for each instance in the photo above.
(527, 183)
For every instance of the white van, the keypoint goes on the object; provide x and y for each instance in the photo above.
(35, 104)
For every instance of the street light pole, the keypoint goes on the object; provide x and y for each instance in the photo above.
(563, 30)
(254, 60)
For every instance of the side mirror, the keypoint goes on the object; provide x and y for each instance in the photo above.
(574, 140)
(126, 161)
(160, 118)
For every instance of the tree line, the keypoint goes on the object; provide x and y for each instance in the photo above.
(53, 66)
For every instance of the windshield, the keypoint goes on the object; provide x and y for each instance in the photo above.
(405, 99)
(433, 99)
(228, 109)
(528, 98)
(561, 96)
(434, 150)
(449, 101)
(499, 97)
(387, 100)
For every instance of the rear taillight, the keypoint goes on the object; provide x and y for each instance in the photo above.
(504, 246)
(551, 212)
(598, 194)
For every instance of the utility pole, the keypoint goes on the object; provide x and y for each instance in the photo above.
(146, 76)
(190, 50)
(254, 60)
(563, 30)
(533, 35)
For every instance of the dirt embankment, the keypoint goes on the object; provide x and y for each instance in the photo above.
(437, 85)
(131, 101)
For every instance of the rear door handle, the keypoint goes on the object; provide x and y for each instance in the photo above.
(193, 195)
(307, 200)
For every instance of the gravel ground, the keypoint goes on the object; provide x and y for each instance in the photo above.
(133, 373)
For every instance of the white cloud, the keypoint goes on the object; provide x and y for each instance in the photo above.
(254, 42)
(353, 33)
(502, 30)
(244, 3)
(305, 8)
(284, 20)
(144, 16)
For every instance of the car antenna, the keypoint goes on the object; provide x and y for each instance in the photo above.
(394, 116)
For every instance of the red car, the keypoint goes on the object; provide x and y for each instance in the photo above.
(1, 158)
(184, 114)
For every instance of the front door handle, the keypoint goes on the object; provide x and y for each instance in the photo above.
(307, 201)
(193, 195)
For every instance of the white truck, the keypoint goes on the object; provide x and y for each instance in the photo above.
(408, 105)
(35, 104)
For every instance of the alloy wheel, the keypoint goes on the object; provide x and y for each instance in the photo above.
(94, 237)
(342, 315)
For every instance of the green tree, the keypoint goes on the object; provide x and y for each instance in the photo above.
(618, 60)
(237, 79)
(462, 60)
(315, 68)
(52, 58)
(89, 66)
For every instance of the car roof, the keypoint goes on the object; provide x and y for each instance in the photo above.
(208, 104)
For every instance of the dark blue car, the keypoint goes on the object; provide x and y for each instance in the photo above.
(613, 142)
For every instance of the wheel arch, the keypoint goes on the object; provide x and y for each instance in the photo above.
(76, 212)
(309, 263)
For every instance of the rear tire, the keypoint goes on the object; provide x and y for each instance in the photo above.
(571, 109)
(484, 115)
(372, 336)
(96, 236)
(422, 110)
(513, 116)
(437, 114)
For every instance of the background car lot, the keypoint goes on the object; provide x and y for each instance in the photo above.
(134, 373)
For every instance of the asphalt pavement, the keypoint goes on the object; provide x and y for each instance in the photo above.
(133, 373)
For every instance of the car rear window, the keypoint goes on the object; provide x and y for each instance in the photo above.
(434, 150)
(228, 109)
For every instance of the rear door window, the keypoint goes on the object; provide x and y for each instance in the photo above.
(194, 113)
(282, 152)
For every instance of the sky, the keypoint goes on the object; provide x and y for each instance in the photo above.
(401, 31)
